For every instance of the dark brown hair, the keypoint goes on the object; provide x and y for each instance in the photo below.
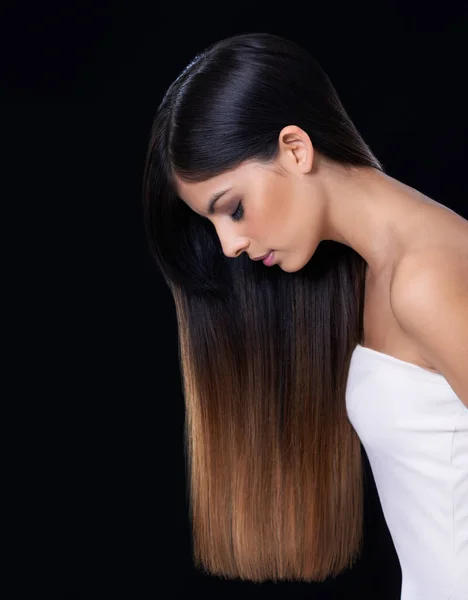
(275, 473)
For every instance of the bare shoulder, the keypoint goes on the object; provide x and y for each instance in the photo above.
(435, 266)
(437, 247)
(429, 299)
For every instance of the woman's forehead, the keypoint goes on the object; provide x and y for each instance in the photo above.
(203, 191)
(244, 173)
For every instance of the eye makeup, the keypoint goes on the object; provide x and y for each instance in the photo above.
(238, 214)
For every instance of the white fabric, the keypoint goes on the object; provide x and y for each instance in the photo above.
(414, 429)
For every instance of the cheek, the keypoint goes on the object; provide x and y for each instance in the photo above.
(272, 222)
(275, 197)
(281, 210)
(271, 218)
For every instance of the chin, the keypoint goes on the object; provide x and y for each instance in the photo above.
(287, 269)
(293, 268)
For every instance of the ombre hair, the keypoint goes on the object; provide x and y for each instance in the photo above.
(275, 475)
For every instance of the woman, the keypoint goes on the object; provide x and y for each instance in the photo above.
(289, 362)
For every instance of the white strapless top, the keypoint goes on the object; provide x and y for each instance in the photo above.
(414, 429)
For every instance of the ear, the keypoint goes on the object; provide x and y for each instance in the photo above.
(296, 148)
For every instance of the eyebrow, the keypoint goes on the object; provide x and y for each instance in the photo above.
(214, 198)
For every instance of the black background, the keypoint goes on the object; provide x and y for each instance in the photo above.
(97, 498)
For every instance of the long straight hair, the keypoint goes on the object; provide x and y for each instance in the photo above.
(275, 477)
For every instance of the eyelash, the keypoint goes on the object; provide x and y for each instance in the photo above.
(238, 214)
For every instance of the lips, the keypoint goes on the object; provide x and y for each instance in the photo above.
(270, 259)
(264, 256)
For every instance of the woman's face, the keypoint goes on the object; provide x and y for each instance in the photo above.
(266, 207)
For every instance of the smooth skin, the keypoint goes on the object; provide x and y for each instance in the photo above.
(302, 199)
(416, 250)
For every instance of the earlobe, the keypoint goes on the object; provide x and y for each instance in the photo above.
(298, 144)
(307, 157)
(303, 153)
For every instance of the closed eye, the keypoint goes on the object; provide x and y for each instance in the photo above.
(238, 214)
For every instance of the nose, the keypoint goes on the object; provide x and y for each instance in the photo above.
(231, 242)
(233, 249)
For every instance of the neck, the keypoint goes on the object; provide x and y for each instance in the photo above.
(368, 211)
